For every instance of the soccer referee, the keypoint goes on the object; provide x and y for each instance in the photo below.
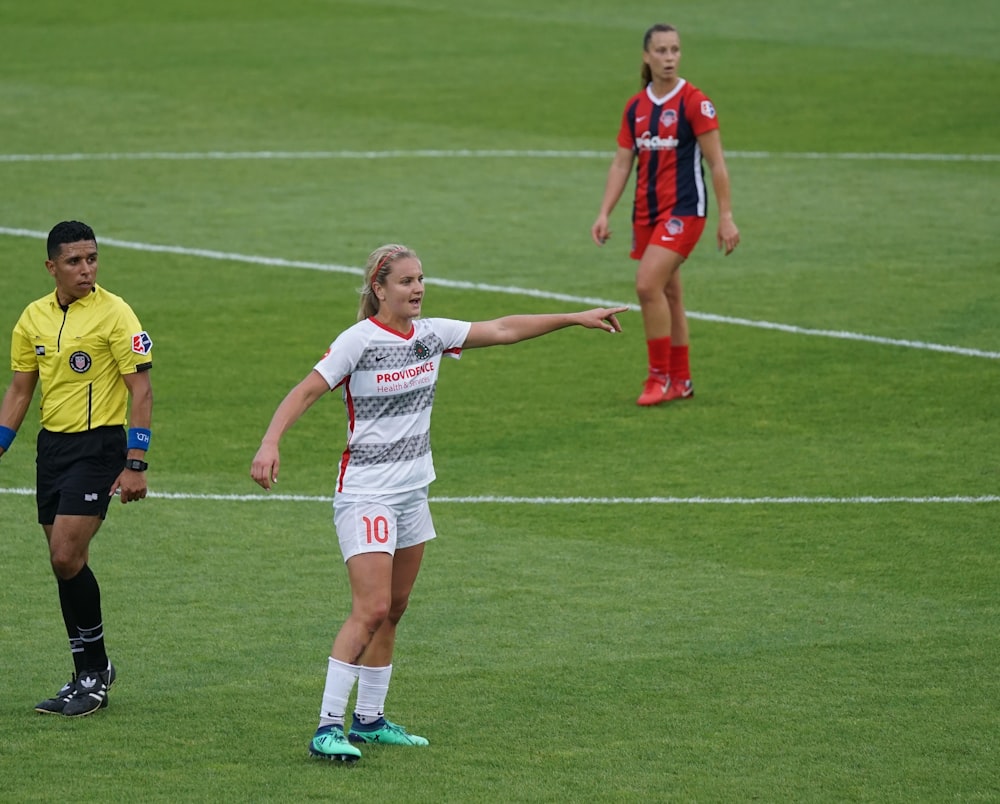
(91, 354)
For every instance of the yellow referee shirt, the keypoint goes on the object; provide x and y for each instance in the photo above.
(80, 354)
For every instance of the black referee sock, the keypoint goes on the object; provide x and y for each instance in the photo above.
(84, 596)
(75, 643)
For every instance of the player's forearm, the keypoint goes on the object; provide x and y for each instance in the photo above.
(141, 409)
(516, 328)
(284, 417)
(15, 405)
(295, 403)
(720, 183)
(613, 188)
(12, 411)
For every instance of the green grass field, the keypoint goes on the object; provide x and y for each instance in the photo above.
(785, 590)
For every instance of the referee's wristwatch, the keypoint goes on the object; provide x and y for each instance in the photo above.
(136, 465)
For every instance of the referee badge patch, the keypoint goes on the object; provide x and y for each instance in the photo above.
(141, 343)
(79, 362)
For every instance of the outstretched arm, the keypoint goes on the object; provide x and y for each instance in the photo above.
(264, 469)
(515, 328)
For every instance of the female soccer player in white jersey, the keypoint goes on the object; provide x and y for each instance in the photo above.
(387, 366)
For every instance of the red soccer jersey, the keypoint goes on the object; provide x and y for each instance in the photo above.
(663, 132)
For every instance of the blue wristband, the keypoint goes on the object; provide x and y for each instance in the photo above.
(138, 438)
(6, 437)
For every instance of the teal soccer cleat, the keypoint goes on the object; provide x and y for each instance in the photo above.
(383, 732)
(329, 742)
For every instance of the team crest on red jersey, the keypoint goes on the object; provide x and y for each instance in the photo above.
(668, 118)
(675, 226)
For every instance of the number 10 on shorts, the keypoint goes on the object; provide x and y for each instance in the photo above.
(376, 530)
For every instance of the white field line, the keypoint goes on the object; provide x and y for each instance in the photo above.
(864, 500)
(145, 156)
(518, 291)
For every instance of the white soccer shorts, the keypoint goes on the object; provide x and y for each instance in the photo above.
(382, 524)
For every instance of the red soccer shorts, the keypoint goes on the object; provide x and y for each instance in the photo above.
(678, 233)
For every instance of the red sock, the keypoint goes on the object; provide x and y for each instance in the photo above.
(680, 369)
(659, 355)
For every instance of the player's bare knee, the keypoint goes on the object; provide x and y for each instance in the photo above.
(396, 611)
(373, 614)
(648, 294)
(66, 564)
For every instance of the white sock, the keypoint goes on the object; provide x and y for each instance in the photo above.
(373, 686)
(340, 678)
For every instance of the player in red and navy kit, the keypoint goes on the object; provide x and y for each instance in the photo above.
(667, 129)
(386, 366)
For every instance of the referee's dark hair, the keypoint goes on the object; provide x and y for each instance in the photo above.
(68, 232)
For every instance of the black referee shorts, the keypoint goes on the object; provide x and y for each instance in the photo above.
(74, 471)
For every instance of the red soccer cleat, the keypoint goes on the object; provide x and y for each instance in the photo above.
(655, 390)
(680, 390)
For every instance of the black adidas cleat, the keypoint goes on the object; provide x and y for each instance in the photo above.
(56, 704)
(90, 692)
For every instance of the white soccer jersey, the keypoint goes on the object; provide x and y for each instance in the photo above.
(388, 385)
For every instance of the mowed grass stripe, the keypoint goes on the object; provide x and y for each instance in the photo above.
(521, 291)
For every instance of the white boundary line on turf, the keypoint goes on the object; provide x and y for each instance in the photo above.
(517, 291)
(145, 156)
(500, 500)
